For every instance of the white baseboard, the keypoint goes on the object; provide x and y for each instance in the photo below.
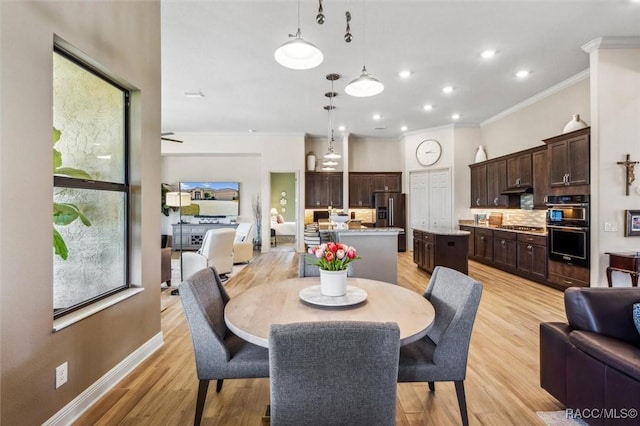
(70, 412)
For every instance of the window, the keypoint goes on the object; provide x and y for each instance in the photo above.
(91, 184)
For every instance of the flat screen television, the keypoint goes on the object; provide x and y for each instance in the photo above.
(213, 199)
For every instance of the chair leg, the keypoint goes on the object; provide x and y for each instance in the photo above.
(462, 402)
(432, 386)
(203, 386)
(219, 385)
(168, 283)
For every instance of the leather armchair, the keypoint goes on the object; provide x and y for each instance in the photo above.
(216, 251)
(593, 361)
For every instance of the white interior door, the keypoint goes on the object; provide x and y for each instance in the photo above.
(439, 204)
(419, 199)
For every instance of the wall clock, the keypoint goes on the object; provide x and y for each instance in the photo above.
(428, 152)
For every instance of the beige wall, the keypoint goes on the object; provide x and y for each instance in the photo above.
(528, 125)
(615, 132)
(124, 37)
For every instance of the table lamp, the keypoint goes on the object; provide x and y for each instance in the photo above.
(273, 211)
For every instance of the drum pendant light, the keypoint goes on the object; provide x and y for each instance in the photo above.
(298, 54)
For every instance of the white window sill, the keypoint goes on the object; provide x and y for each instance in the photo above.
(87, 311)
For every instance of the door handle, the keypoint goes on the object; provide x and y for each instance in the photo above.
(391, 211)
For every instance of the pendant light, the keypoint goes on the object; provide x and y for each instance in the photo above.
(331, 153)
(365, 85)
(298, 54)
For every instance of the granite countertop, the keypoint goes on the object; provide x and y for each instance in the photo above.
(497, 228)
(365, 230)
(442, 230)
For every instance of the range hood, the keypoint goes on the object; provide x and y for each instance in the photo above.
(517, 190)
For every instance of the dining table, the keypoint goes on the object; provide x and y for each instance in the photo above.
(251, 313)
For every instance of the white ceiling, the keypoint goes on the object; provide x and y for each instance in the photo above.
(224, 49)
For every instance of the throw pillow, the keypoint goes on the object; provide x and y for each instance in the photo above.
(636, 315)
(280, 219)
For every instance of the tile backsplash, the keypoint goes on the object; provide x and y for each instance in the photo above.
(517, 217)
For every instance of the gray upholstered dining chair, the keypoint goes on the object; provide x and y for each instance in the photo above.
(307, 267)
(219, 353)
(333, 373)
(441, 356)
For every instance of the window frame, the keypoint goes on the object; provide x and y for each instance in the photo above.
(89, 184)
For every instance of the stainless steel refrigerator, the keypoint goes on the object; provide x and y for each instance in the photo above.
(390, 212)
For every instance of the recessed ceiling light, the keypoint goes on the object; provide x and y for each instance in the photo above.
(427, 107)
(455, 116)
(405, 74)
(377, 116)
(194, 94)
(403, 128)
(251, 130)
(447, 89)
(488, 54)
(104, 157)
(342, 128)
(522, 74)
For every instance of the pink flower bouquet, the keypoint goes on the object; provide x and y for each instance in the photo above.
(333, 256)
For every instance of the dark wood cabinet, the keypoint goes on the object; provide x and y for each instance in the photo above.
(519, 171)
(323, 190)
(540, 167)
(484, 244)
(564, 275)
(431, 250)
(532, 256)
(472, 239)
(504, 249)
(478, 185)
(363, 184)
(569, 159)
(359, 191)
(496, 183)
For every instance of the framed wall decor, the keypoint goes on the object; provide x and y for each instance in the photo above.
(632, 223)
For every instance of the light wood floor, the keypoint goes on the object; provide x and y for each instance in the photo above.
(502, 384)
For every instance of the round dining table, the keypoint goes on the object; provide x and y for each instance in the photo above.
(250, 314)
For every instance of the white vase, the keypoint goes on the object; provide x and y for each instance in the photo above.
(481, 155)
(574, 124)
(311, 162)
(333, 283)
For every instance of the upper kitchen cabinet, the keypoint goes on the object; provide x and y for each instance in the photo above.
(323, 190)
(569, 161)
(391, 182)
(497, 183)
(519, 171)
(363, 184)
(478, 185)
(359, 190)
(540, 177)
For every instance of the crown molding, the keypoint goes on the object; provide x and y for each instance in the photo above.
(612, 43)
(540, 96)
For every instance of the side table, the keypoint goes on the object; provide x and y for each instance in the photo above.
(626, 262)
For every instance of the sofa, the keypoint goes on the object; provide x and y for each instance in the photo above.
(591, 364)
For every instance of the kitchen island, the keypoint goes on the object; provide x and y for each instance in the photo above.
(378, 248)
(441, 246)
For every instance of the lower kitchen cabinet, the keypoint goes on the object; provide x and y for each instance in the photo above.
(472, 239)
(504, 249)
(434, 249)
(484, 244)
(532, 256)
(564, 275)
(520, 253)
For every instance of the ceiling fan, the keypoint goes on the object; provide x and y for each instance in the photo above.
(163, 136)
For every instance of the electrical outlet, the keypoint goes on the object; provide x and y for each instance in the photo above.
(610, 227)
(61, 374)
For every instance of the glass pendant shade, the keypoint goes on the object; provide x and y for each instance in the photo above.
(298, 54)
(364, 86)
(332, 155)
(329, 162)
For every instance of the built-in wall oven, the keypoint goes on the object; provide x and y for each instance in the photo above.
(568, 228)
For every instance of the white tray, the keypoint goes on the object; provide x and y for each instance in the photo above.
(312, 295)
